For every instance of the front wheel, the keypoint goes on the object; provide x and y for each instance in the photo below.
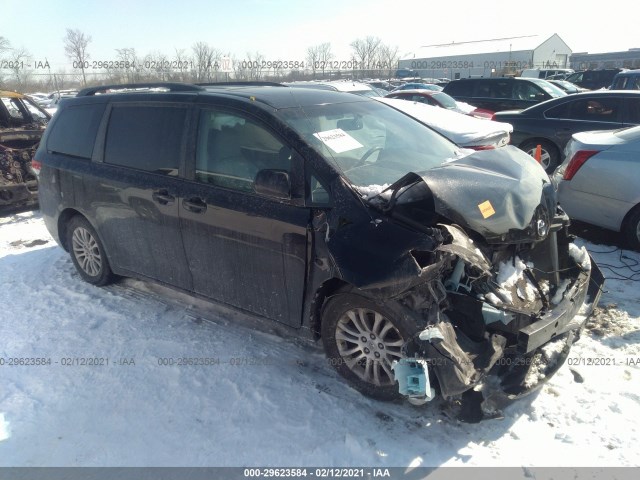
(87, 252)
(550, 156)
(362, 340)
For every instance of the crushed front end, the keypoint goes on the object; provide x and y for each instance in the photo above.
(512, 290)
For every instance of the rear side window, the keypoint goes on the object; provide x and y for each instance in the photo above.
(458, 88)
(595, 109)
(146, 138)
(74, 131)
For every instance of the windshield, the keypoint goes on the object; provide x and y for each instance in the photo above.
(550, 88)
(445, 100)
(370, 143)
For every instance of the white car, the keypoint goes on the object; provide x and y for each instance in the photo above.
(339, 86)
(464, 130)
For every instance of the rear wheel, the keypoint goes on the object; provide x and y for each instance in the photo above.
(362, 339)
(631, 229)
(87, 252)
(550, 156)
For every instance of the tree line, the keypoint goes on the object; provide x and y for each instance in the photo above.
(202, 63)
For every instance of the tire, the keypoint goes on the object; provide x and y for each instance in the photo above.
(631, 229)
(362, 338)
(550, 154)
(87, 252)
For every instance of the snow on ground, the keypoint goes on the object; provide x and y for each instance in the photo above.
(283, 404)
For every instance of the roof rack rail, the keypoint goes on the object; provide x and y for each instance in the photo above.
(172, 87)
(241, 84)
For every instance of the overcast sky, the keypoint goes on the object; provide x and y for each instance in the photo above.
(282, 30)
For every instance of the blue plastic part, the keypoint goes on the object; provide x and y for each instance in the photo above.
(411, 377)
(491, 314)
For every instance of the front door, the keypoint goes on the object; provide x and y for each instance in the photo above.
(244, 249)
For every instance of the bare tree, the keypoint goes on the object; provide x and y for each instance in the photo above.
(155, 67)
(388, 59)
(129, 68)
(313, 58)
(19, 66)
(325, 55)
(5, 46)
(75, 47)
(182, 62)
(249, 69)
(205, 59)
(366, 51)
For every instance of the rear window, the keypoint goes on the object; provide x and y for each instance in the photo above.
(493, 88)
(550, 88)
(74, 131)
(146, 138)
(458, 88)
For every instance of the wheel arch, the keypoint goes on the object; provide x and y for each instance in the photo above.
(63, 221)
(328, 288)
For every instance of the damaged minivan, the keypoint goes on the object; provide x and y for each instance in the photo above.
(425, 269)
(22, 123)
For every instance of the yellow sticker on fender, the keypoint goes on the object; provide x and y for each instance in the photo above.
(486, 209)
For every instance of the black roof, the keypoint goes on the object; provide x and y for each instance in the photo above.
(275, 95)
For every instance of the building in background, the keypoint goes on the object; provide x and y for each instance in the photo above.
(591, 61)
(488, 58)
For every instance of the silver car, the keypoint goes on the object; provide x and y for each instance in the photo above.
(599, 181)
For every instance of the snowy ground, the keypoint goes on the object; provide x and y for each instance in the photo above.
(283, 405)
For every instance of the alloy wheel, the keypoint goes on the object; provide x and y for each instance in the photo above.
(368, 343)
(86, 250)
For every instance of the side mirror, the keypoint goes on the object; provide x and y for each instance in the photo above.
(272, 183)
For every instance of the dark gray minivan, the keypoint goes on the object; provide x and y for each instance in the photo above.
(330, 213)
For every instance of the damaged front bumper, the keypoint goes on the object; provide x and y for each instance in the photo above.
(513, 353)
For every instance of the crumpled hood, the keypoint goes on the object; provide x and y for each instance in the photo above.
(490, 192)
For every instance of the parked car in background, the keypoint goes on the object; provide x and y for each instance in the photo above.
(629, 80)
(53, 99)
(567, 86)
(599, 181)
(347, 86)
(418, 86)
(496, 94)
(594, 79)
(442, 100)
(381, 84)
(335, 215)
(545, 73)
(551, 124)
(466, 131)
(22, 123)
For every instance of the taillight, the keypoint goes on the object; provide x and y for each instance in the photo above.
(36, 166)
(576, 162)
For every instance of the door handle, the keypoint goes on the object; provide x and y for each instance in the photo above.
(163, 197)
(195, 205)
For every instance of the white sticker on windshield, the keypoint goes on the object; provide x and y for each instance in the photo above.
(338, 140)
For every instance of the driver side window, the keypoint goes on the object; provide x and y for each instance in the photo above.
(232, 149)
